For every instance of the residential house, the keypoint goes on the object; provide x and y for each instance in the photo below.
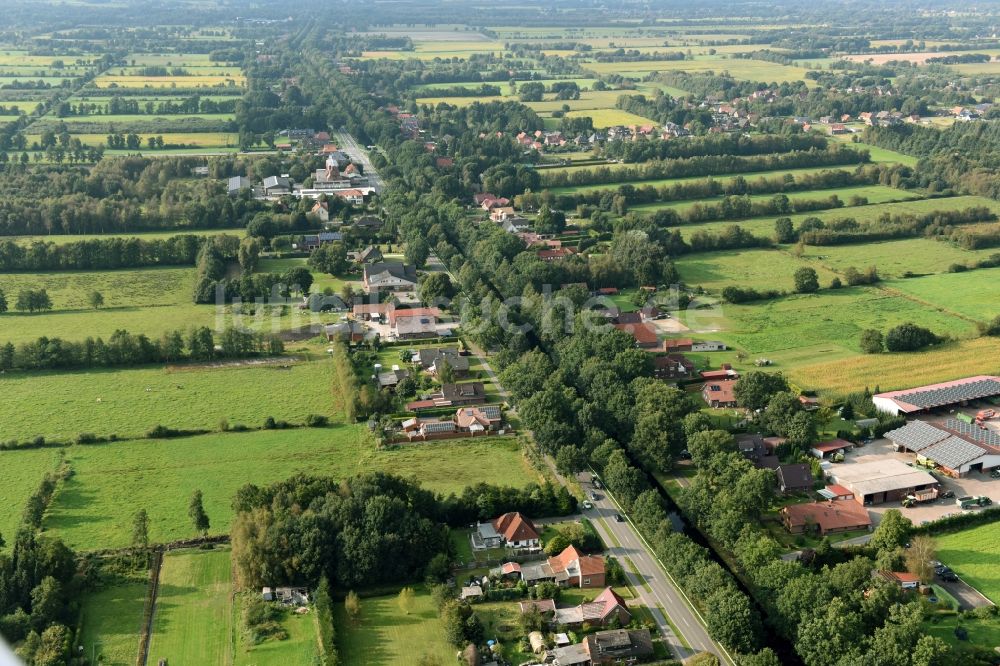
(416, 328)
(369, 223)
(417, 428)
(827, 517)
(903, 579)
(515, 224)
(644, 335)
(512, 530)
(619, 646)
(719, 394)
(321, 211)
(275, 186)
(472, 421)
(471, 592)
(469, 393)
(556, 254)
(672, 367)
(569, 655)
(751, 446)
(391, 378)
(312, 241)
(795, 478)
(391, 275)
(478, 419)
(432, 360)
(576, 570)
(501, 213)
(606, 609)
(353, 197)
(369, 255)
(838, 128)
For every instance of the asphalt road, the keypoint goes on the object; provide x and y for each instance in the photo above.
(350, 146)
(656, 591)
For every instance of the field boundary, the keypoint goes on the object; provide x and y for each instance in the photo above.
(146, 631)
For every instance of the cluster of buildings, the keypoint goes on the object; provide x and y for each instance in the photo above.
(467, 422)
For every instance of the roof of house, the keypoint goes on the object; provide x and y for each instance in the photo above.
(880, 476)
(415, 325)
(829, 515)
(543, 605)
(390, 269)
(515, 527)
(901, 577)
(945, 393)
(484, 415)
(397, 314)
(276, 181)
(720, 391)
(465, 390)
(620, 643)
(573, 563)
(677, 342)
(644, 334)
(471, 592)
(428, 357)
(796, 475)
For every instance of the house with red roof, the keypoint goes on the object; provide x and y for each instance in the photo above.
(719, 394)
(644, 334)
(512, 530)
(555, 254)
(606, 608)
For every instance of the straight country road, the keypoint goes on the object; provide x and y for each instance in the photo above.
(349, 145)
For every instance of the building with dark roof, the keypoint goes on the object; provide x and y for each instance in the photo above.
(825, 517)
(794, 478)
(934, 396)
(955, 446)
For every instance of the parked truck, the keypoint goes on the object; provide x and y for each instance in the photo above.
(919, 497)
(971, 501)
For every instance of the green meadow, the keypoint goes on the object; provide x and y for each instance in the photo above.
(130, 402)
(94, 508)
(111, 619)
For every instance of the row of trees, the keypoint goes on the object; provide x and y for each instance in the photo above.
(127, 349)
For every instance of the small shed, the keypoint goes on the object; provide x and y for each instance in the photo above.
(537, 642)
(268, 594)
(562, 639)
(472, 592)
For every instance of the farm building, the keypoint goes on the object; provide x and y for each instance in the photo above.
(882, 481)
(934, 396)
(827, 517)
(831, 448)
(955, 446)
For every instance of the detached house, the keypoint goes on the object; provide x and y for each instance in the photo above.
(605, 609)
(512, 530)
(719, 394)
(568, 569)
(389, 275)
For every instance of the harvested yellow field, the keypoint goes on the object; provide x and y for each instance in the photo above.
(890, 372)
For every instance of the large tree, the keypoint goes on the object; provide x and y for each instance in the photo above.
(754, 389)
(196, 511)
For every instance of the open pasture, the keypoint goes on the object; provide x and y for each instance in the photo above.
(94, 508)
(968, 294)
(130, 402)
(111, 622)
(749, 70)
(69, 290)
(183, 81)
(216, 141)
(193, 620)
(18, 482)
(756, 268)
(385, 636)
(895, 258)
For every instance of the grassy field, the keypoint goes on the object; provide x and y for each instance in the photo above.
(387, 637)
(321, 281)
(299, 648)
(94, 508)
(875, 194)
(17, 483)
(758, 268)
(208, 81)
(111, 621)
(894, 258)
(962, 293)
(765, 225)
(973, 555)
(129, 402)
(749, 70)
(610, 117)
(62, 239)
(146, 287)
(195, 139)
(193, 620)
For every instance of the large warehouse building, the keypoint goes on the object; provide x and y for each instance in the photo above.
(955, 446)
(883, 480)
(934, 396)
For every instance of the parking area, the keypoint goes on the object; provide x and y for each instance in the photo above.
(976, 483)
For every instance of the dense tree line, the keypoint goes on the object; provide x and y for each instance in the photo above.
(98, 254)
(843, 231)
(127, 349)
(709, 165)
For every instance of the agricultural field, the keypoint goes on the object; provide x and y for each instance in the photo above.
(751, 70)
(130, 402)
(756, 268)
(383, 635)
(18, 482)
(62, 239)
(111, 620)
(193, 619)
(967, 294)
(94, 508)
(919, 256)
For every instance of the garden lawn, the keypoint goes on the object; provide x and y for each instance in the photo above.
(387, 637)
(982, 633)
(193, 619)
(112, 621)
(130, 402)
(973, 554)
(18, 482)
(301, 646)
(94, 508)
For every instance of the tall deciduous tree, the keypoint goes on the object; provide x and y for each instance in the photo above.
(196, 511)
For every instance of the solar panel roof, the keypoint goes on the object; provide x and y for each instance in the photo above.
(951, 394)
(916, 435)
